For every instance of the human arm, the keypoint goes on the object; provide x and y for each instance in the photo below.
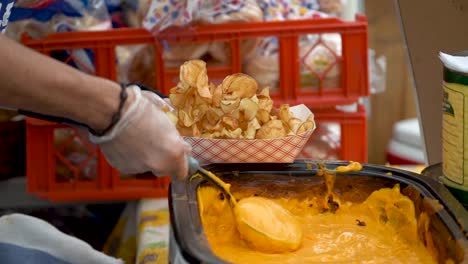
(143, 140)
(33, 82)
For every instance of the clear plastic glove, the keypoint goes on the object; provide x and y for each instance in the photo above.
(145, 139)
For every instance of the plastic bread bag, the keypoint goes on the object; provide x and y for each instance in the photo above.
(135, 11)
(264, 66)
(219, 12)
(39, 18)
(332, 7)
(116, 13)
(164, 14)
(140, 68)
(58, 16)
(324, 144)
(76, 151)
(320, 60)
(319, 54)
(278, 10)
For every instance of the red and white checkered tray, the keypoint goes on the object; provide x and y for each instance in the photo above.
(279, 150)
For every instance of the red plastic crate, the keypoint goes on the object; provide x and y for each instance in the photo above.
(45, 159)
(349, 144)
(353, 63)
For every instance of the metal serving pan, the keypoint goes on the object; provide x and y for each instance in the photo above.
(448, 225)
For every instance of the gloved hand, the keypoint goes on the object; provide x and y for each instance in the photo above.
(145, 139)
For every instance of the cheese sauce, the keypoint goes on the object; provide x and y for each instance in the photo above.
(382, 229)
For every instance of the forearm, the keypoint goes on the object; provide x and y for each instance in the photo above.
(34, 82)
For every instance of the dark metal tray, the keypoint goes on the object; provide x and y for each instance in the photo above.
(449, 224)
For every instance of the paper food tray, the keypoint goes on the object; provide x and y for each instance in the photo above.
(279, 150)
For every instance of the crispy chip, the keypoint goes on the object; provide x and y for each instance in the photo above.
(252, 128)
(177, 100)
(294, 124)
(263, 116)
(249, 108)
(230, 122)
(213, 115)
(195, 131)
(265, 103)
(185, 118)
(272, 129)
(229, 106)
(184, 131)
(204, 91)
(239, 86)
(217, 95)
(231, 110)
(306, 126)
(200, 111)
(231, 134)
(193, 74)
(284, 114)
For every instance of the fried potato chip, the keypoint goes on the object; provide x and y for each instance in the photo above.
(213, 115)
(229, 105)
(228, 134)
(294, 124)
(236, 113)
(265, 103)
(272, 129)
(184, 131)
(263, 116)
(284, 114)
(238, 86)
(195, 131)
(199, 112)
(231, 110)
(252, 128)
(177, 99)
(193, 74)
(306, 126)
(254, 99)
(185, 118)
(217, 95)
(204, 91)
(230, 122)
(249, 108)
(265, 92)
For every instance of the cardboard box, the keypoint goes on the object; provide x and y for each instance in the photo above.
(430, 26)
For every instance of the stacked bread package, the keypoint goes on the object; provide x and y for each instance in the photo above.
(259, 56)
(163, 14)
(317, 53)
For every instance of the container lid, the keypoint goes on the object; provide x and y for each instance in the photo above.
(457, 62)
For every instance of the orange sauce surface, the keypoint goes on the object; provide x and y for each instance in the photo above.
(380, 229)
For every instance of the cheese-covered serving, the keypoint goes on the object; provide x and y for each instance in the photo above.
(381, 229)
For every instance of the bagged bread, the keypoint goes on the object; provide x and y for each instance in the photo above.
(162, 15)
(318, 53)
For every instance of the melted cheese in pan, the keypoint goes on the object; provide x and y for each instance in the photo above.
(382, 229)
